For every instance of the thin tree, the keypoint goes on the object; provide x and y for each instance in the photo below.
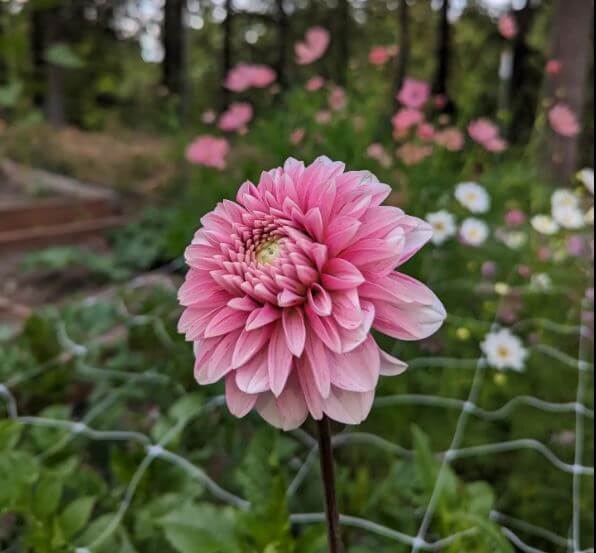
(443, 57)
(342, 37)
(226, 53)
(570, 44)
(282, 47)
(174, 61)
(403, 57)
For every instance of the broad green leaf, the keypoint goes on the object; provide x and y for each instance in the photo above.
(10, 431)
(75, 515)
(18, 472)
(10, 94)
(47, 495)
(63, 55)
(481, 498)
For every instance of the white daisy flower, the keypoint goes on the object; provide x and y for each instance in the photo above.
(504, 350)
(443, 224)
(473, 197)
(540, 281)
(563, 198)
(544, 224)
(586, 177)
(568, 216)
(474, 232)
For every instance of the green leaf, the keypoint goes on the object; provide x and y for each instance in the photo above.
(47, 495)
(186, 407)
(481, 498)
(10, 432)
(76, 515)
(63, 55)
(18, 472)
(10, 94)
(490, 532)
(98, 528)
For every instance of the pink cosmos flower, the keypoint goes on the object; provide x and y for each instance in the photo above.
(553, 67)
(412, 154)
(209, 151)
(451, 139)
(245, 76)
(379, 55)
(404, 119)
(482, 130)
(236, 117)
(323, 117)
(314, 45)
(377, 152)
(425, 131)
(515, 218)
(337, 99)
(285, 284)
(563, 120)
(314, 83)
(414, 93)
(507, 26)
(496, 145)
(297, 136)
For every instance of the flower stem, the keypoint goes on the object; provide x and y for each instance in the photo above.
(328, 477)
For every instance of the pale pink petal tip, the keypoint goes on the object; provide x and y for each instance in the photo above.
(285, 284)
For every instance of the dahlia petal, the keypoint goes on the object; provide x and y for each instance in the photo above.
(262, 316)
(245, 303)
(314, 223)
(286, 298)
(340, 274)
(376, 255)
(307, 275)
(346, 308)
(312, 396)
(340, 232)
(219, 362)
(325, 329)
(318, 253)
(279, 361)
(195, 328)
(294, 330)
(288, 411)
(418, 233)
(194, 293)
(239, 403)
(249, 343)
(253, 377)
(200, 257)
(352, 338)
(318, 362)
(378, 221)
(391, 366)
(348, 407)
(357, 371)
(319, 300)
(226, 320)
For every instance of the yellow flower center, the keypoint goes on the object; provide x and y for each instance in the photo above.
(268, 251)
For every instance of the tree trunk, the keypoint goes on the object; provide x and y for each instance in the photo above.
(570, 45)
(282, 49)
(403, 57)
(341, 36)
(174, 62)
(37, 40)
(226, 53)
(439, 86)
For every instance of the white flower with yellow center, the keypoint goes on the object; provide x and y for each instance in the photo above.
(504, 350)
(473, 197)
(563, 198)
(443, 224)
(586, 177)
(544, 224)
(569, 216)
(474, 232)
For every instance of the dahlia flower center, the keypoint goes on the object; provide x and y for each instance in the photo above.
(268, 251)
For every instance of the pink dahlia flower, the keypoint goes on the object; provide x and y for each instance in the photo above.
(314, 45)
(314, 83)
(245, 76)
(236, 117)
(209, 151)
(285, 284)
(482, 130)
(563, 120)
(414, 93)
(379, 55)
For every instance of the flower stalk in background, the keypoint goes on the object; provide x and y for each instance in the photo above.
(284, 287)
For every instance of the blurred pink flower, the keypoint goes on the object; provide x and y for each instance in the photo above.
(488, 269)
(515, 218)
(297, 136)
(285, 284)
(316, 41)
(412, 154)
(236, 117)
(507, 26)
(323, 117)
(524, 271)
(482, 130)
(414, 93)
(379, 55)
(208, 117)
(337, 98)
(440, 100)
(209, 151)
(563, 120)
(496, 144)
(245, 76)
(314, 83)
(426, 132)
(553, 67)
(377, 152)
(406, 118)
(451, 139)
(575, 245)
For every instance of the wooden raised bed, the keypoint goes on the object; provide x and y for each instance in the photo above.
(38, 208)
